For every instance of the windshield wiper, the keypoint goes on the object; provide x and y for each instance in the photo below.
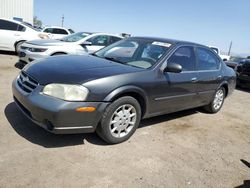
(113, 59)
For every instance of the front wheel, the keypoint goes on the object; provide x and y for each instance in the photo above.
(120, 120)
(217, 101)
(18, 46)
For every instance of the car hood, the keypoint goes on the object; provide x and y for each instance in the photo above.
(75, 69)
(49, 42)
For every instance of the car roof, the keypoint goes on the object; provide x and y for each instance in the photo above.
(102, 33)
(15, 21)
(171, 41)
(55, 27)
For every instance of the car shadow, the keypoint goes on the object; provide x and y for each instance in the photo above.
(33, 133)
(245, 163)
(243, 89)
(7, 53)
(168, 117)
(19, 65)
(37, 135)
(246, 184)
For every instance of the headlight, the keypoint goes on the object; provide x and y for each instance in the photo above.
(37, 49)
(66, 92)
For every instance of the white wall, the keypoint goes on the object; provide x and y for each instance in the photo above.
(17, 8)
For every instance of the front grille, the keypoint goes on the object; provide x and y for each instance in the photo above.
(26, 83)
(24, 47)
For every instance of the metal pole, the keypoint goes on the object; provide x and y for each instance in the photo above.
(62, 20)
(230, 47)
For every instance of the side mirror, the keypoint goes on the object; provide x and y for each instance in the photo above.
(86, 43)
(173, 67)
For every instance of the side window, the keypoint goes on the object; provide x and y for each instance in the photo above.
(101, 40)
(185, 57)
(59, 31)
(207, 60)
(113, 39)
(6, 25)
(21, 28)
(48, 30)
(71, 31)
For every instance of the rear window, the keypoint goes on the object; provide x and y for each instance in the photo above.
(207, 60)
(56, 31)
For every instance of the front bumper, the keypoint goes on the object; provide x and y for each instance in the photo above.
(27, 56)
(55, 115)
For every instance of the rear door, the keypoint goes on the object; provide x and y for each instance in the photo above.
(209, 73)
(10, 32)
(178, 91)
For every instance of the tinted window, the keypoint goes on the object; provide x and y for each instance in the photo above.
(59, 31)
(113, 39)
(56, 31)
(48, 30)
(207, 60)
(21, 28)
(6, 25)
(71, 31)
(185, 57)
(101, 40)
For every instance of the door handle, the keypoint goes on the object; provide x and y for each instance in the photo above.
(17, 35)
(194, 79)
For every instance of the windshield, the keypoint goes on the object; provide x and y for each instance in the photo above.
(74, 37)
(140, 53)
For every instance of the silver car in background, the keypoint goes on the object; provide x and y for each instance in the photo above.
(78, 43)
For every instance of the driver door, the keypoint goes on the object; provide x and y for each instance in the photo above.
(178, 91)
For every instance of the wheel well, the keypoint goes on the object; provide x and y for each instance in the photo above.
(226, 89)
(137, 96)
(18, 42)
(58, 53)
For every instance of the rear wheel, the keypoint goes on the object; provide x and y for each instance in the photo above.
(217, 102)
(120, 120)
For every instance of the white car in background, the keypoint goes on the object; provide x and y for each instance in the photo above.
(55, 32)
(217, 50)
(14, 33)
(78, 43)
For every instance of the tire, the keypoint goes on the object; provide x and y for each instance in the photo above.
(18, 46)
(120, 120)
(217, 101)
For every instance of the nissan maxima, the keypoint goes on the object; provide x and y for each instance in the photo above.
(110, 91)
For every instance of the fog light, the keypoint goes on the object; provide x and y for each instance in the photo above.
(86, 109)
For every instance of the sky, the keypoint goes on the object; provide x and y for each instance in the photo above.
(208, 22)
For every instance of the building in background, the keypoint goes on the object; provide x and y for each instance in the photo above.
(18, 9)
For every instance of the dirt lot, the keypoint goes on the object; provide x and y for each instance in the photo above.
(185, 149)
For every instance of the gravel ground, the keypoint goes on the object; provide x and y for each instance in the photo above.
(184, 149)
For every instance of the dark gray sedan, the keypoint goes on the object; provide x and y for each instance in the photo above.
(112, 90)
